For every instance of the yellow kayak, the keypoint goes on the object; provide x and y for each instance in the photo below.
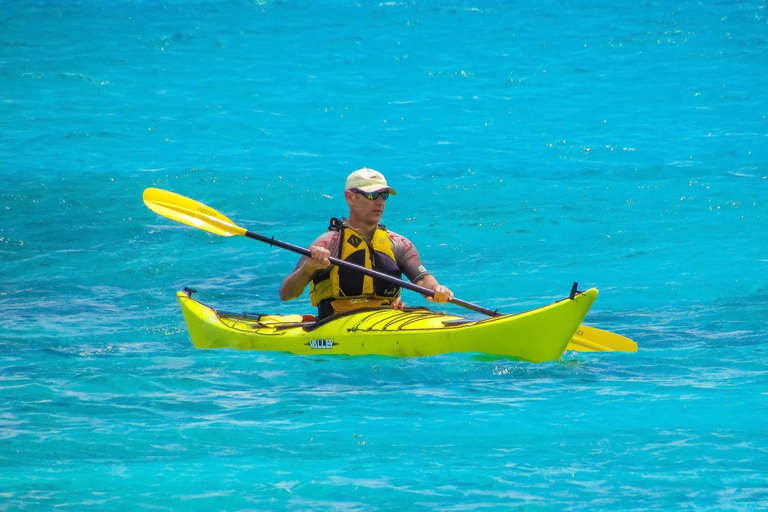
(537, 335)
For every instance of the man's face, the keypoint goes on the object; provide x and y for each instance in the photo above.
(364, 209)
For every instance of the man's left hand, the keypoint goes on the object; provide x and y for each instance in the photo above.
(442, 294)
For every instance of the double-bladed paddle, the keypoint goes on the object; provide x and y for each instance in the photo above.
(188, 211)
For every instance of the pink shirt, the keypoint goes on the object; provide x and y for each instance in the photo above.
(406, 255)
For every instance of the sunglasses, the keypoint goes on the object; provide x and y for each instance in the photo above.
(372, 196)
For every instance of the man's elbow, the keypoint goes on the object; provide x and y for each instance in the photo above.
(288, 292)
(284, 295)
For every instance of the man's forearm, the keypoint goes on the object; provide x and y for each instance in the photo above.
(295, 283)
(429, 282)
(442, 293)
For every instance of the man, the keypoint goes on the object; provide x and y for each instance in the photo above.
(363, 241)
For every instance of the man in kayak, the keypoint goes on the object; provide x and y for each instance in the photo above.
(361, 240)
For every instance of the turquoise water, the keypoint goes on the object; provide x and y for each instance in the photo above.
(532, 145)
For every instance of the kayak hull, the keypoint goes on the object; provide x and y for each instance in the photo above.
(538, 335)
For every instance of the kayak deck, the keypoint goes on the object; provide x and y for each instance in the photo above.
(537, 335)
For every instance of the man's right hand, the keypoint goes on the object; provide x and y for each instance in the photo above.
(295, 282)
(320, 258)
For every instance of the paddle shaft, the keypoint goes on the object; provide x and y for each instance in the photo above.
(371, 273)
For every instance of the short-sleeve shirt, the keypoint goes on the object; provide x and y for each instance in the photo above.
(406, 255)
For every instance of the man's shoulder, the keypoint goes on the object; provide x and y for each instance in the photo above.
(398, 239)
(327, 238)
(329, 234)
(393, 234)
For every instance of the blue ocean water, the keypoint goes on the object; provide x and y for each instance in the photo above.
(532, 145)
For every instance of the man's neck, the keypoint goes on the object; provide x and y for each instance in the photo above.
(366, 230)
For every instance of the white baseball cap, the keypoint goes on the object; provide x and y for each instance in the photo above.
(368, 180)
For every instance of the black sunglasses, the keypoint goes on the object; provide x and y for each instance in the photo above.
(372, 195)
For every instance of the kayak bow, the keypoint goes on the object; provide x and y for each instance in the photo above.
(537, 335)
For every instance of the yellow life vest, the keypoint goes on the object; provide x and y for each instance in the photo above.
(342, 283)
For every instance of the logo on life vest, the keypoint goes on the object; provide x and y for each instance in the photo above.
(354, 241)
(322, 343)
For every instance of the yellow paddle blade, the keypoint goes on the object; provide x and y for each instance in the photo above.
(190, 212)
(590, 339)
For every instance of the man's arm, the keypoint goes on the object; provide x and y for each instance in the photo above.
(442, 293)
(295, 282)
(410, 264)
